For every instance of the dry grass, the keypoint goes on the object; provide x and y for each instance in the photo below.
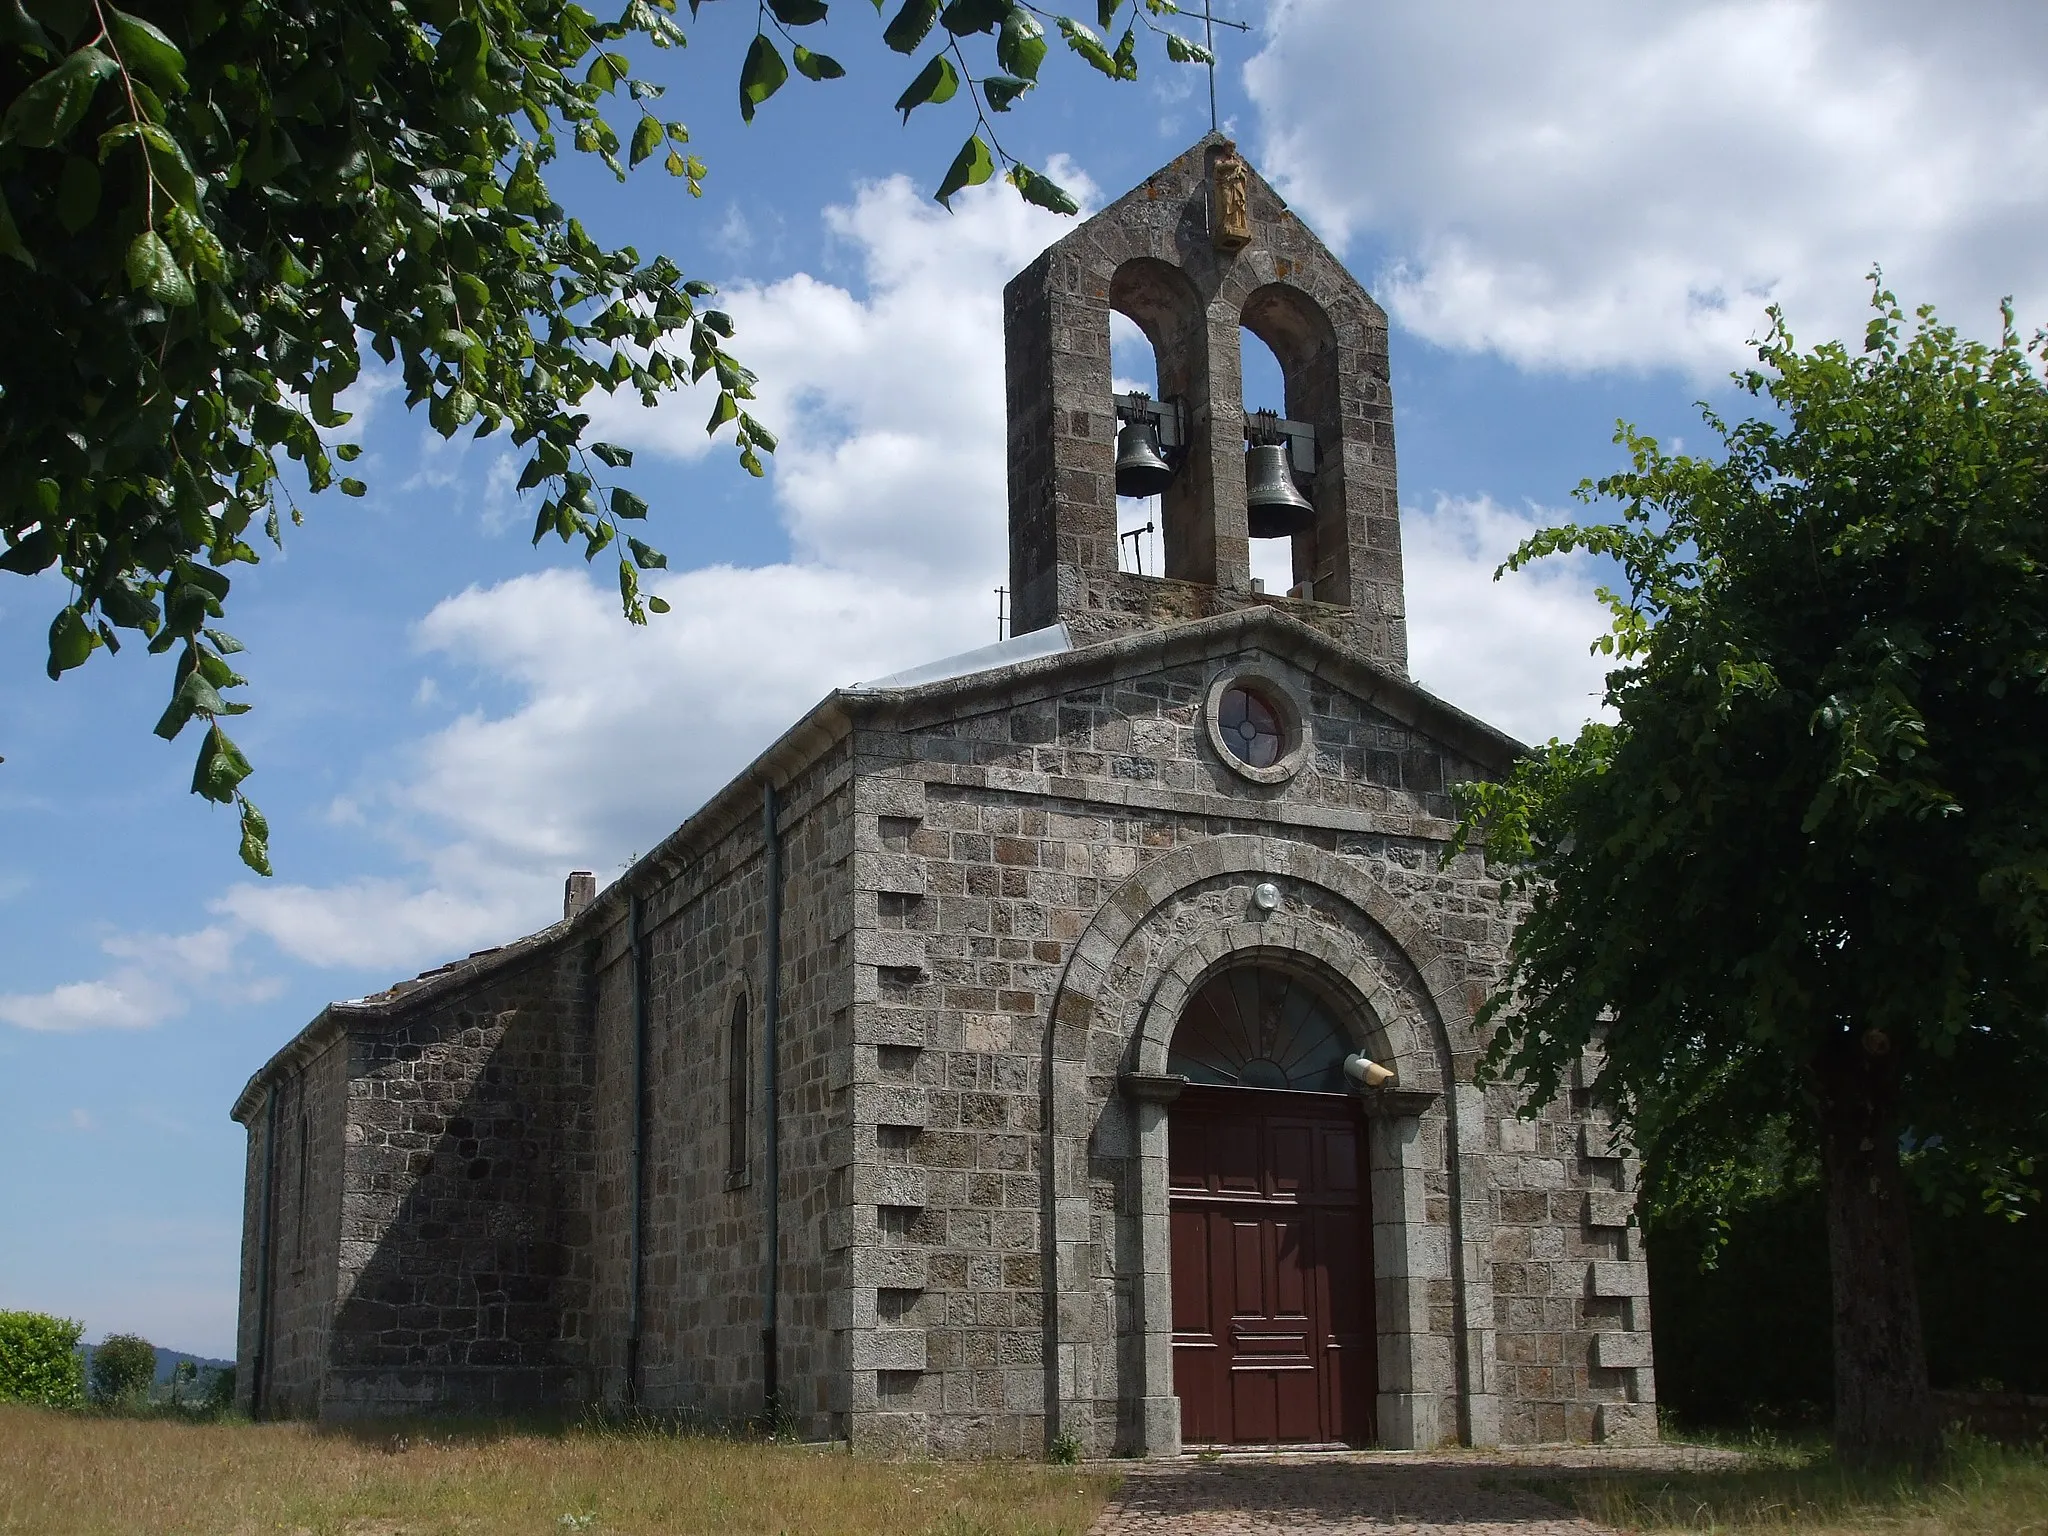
(69, 1475)
(1981, 1490)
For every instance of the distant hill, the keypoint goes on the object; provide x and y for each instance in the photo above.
(168, 1360)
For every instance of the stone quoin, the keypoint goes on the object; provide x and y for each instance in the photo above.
(982, 1067)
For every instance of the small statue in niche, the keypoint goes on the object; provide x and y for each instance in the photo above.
(1230, 225)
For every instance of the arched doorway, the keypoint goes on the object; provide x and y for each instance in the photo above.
(1271, 1222)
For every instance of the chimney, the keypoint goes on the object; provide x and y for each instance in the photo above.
(578, 892)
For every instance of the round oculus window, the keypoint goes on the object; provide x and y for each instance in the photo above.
(1250, 726)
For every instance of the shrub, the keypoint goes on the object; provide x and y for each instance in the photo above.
(123, 1367)
(39, 1360)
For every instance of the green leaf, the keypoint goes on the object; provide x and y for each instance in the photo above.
(1126, 56)
(461, 45)
(935, 83)
(66, 18)
(722, 412)
(78, 193)
(647, 138)
(1186, 51)
(798, 13)
(22, 30)
(907, 28)
(1087, 45)
(153, 269)
(970, 168)
(52, 104)
(71, 642)
(167, 162)
(1041, 191)
(220, 767)
(964, 17)
(660, 604)
(195, 696)
(1105, 12)
(626, 504)
(10, 236)
(761, 76)
(146, 51)
(612, 454)
(1002, 91)
(32, 552)
(352, 487)
(817, 66)
(1020, 46)
(255, 839)
(646, 556)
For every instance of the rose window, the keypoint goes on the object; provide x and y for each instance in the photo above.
(1250, 727)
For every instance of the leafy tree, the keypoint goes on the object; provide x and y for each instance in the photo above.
(220, 1391)
(123, 1368)
(208, 208)
(1798, 890)
(40, 1361)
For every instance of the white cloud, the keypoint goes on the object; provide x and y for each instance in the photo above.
(889, 405)
(371, 922)
(127, 1002)
(1601, 183)
(159, 976)
(1513, 652)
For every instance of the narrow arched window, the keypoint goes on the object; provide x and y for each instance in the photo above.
(305, 1160)
(737, 1084)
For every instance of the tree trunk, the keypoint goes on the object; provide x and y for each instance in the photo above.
(1883, 1411)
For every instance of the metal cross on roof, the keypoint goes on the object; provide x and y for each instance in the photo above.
(1209, 25)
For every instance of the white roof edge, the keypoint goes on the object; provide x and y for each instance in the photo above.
(1050, 641)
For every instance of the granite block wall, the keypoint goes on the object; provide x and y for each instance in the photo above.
(987, 848)
(302, 1143)
(704, 1221)
(464, 1275)
(992, 910)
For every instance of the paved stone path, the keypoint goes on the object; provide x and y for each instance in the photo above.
(1369, 1493)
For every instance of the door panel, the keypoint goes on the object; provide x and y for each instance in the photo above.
(1272, 1271)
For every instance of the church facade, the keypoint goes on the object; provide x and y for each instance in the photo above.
(1072, 1040)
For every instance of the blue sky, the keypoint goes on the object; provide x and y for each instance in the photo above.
(1573, 213)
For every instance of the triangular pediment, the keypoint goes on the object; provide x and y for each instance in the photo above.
(1261, 628)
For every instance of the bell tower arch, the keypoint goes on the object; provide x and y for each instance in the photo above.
(1201, 247)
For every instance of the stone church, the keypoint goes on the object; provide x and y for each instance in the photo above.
(1069, 1040)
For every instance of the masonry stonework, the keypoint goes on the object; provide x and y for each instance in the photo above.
(960, 916)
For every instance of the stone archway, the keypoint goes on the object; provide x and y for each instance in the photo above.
(1108, 1280)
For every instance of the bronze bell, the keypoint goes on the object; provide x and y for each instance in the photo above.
(1140, 471)
(1274, 506)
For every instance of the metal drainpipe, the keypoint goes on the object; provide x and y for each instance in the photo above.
(636, 1257)
(771, 1009)
(259, 1357)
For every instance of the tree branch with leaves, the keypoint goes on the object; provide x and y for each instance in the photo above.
(210, 210)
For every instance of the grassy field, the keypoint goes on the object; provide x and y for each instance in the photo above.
(70, 1475)
(1980, 1490)
(76, 1475)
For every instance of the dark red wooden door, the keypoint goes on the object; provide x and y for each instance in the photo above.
(1272, 1269)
